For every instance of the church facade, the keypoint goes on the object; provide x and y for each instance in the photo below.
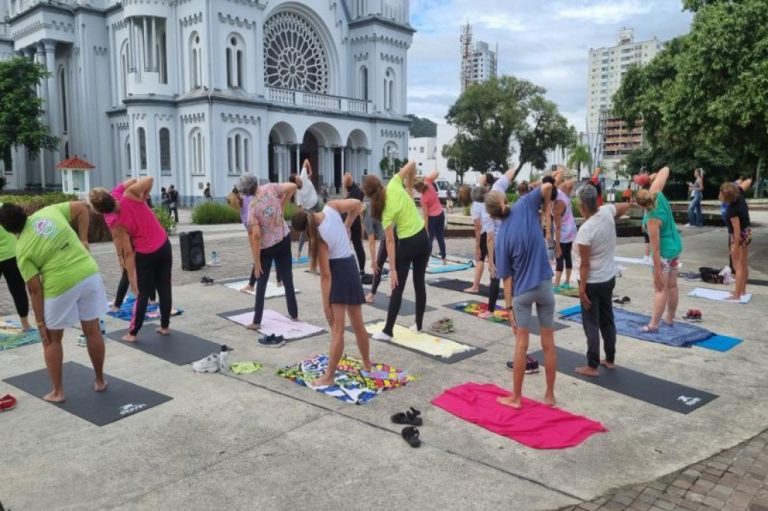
(202, 91)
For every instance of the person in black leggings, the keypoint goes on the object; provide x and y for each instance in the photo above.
(16, 286)
(395, 206)
(122, 291)
(352, 191)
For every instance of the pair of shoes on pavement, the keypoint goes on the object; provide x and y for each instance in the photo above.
(271, 341)
(693, 315)
(410, 433)
(531, 365)
(213, 363)
(443, 326)
(207, 281)
(7, 403)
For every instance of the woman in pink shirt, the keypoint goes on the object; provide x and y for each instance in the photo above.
(434, 218)
(153, 257)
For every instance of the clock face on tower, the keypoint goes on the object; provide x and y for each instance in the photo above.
(294, 56)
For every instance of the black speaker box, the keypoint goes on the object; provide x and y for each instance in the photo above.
(192, 250)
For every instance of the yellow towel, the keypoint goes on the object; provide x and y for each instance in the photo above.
(426, 343)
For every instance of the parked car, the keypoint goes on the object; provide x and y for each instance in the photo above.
(442, 191)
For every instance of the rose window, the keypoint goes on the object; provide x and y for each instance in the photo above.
(294, 56)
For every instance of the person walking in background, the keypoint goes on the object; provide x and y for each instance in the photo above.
(207, 195)
(740, 232)
(165, 200)
(352, 191)
(696, 188)
(596, 242)
(173, 205)
(666, 247)
(434, 217)
(306, 196)
(10, 270)
(65, 287)
(626, 195)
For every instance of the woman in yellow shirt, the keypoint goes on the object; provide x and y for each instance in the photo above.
(10, 271)
(394, 206)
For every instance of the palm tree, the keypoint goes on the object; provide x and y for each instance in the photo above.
(579, 155)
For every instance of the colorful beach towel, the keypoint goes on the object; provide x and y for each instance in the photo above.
(13, 336)
(351, 384)
(275, 323)
(422, 342)
(125, 312)
(535, 425)
(680, 334)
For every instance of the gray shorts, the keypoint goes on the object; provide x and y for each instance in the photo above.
(544, 299)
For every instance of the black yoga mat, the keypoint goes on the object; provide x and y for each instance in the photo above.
(634, 384)
(118, 401)
(533, 329)
(460, 285)
(407, 307)
(179, 348)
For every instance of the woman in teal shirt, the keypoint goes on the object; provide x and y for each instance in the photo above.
(10, 271)
(666, 246)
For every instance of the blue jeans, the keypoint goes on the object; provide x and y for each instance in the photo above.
(436, 229)
(694, 210)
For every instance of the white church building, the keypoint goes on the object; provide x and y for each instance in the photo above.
(202, 91)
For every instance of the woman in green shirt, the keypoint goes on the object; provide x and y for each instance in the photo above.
(394, 206)
(666, 246)
(10, 270)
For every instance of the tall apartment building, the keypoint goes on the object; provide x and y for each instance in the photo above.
(478, 61)
(607, 66)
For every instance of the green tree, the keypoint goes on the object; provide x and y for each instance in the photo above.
(389, 166)
(579, 155)
(491, 115)
(457, 156)
(422, 127)
(21, 110)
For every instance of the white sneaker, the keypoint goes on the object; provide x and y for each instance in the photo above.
(381, 336)
(415, 328)
(209, 364)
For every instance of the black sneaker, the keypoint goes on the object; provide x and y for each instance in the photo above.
(531, 365)
(270, 341)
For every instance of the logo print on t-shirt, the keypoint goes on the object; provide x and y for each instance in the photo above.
(45, 228)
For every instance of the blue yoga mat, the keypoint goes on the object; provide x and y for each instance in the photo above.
(300, 260)
(682, 335)
(437, 266)
(126, 310)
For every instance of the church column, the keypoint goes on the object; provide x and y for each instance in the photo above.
(53, 94)
(40, 58)
(298, 159)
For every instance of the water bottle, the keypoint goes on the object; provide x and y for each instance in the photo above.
(214, 258)
(102, 326)
(224, 358)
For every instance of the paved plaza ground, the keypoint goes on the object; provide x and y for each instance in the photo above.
(262, 442)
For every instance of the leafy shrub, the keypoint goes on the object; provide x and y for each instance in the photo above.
(466, 210)
(31, 203)
(165, 218)
(209, 212)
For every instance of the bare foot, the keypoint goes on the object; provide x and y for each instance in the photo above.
(25, 324)
(128, 338)
(587, 371)
(279, 284)
(112, 308)
(510, 401)
(367, 366)
(369, 298)
(609, 365)
(324, 381)
(100, 385)
(549, 399)
(733, 297)
(163, 331)
(445, 262)
(54, 397)
(253, 326)
(246, 289)
(472, 289)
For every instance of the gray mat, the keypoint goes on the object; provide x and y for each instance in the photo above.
(179, 348)
(120, 400)
(534, 329)
(459, 286)
(381, 302)
(634, 384)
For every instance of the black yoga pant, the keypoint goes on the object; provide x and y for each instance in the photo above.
(153, 272)
(494, 294)
(599, 320)
(357, 242)
(281, 255)
(566, 249)
(122, 290)
(410, 251)
(13, 278)
(381, 258)
(437, 230)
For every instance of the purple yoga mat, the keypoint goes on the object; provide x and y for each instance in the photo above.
(275, 323)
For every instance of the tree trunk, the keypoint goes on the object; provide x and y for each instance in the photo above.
(517, 170)
(758, 186)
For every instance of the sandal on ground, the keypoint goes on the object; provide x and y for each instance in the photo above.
(622, 301)
(411, 435)
(7, 402)
(206, 281)
(648, 330)
(410, 417)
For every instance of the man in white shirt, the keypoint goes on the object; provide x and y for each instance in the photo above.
(306, 196)
(596, 242)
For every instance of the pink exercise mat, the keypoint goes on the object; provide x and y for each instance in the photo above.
(275, 323)
(534, 425)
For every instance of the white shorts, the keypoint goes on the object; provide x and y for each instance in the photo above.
(84, 302)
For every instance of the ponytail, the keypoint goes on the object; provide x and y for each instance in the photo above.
(496, 205)
(374, 190)
(646, 199)
(314, 240)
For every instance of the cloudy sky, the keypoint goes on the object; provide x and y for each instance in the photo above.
(543, 41)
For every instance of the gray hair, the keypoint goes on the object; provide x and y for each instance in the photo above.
(248, 184)
(478, 194)
(587, 195)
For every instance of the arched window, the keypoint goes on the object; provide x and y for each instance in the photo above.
(63, 100)
(164, 139)
(294, 55)
(196, 152)
(389, 90)
(142, 136)
(364, 83)
(124, 67)
(195, 61)
(127, 158)
(235, 62)
(238, 143)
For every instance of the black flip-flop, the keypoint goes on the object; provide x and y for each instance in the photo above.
(411, 435)
(410, 417)
(622, 301)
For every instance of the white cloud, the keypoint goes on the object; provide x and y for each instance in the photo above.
(604, 13)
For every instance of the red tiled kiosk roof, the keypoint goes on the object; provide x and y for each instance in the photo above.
(75, 163)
